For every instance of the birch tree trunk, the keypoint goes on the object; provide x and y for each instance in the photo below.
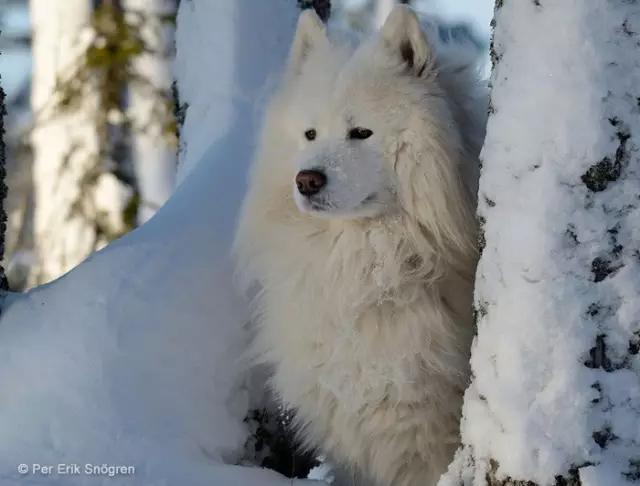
(65, 145)
(154, 150)
(555, 396)
(75, 199)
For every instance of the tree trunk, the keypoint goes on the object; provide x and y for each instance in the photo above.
(78, 204)
(153, 132)
(3, 191)
(555, 396)
(65, 146)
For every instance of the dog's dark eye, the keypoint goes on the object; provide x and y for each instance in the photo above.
(310, 134)
(360, 133)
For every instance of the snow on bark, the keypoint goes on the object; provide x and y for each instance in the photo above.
(75, 200)
(134, 357)
(154, 156)
(555, 397)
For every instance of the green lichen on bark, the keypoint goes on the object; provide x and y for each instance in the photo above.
(107, 68)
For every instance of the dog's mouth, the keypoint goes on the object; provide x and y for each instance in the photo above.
(320, 204)
(370, 198)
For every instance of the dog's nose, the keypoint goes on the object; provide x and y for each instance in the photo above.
(310, 182)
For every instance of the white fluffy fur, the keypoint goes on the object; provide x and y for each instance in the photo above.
(364, 307)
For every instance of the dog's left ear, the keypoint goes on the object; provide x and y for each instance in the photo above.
(403, 36)
(310, 34)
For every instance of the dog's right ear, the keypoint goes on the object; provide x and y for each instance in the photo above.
(404, 38)
(310, 34)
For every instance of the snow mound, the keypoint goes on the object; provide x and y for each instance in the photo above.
(133, 359)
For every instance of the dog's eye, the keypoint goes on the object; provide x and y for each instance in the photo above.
(310, 134)
(360, 133)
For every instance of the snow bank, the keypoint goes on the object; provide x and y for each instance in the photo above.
(225, 71)
(556, 371)
(133, 358)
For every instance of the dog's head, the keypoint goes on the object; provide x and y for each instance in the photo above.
(369, 131)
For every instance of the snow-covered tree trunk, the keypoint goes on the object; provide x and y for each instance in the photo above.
(154, 152)
(555, 396)
(75, 200)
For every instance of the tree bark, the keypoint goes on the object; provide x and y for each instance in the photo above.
(555, 395)
(3, 191)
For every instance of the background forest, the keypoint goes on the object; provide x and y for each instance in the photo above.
(93, 117)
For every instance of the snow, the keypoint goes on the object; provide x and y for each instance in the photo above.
(226, 90)
(134, 358)
(548, 394)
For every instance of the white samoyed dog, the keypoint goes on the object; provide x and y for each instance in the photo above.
(359, 231)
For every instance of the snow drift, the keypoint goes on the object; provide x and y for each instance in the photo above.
(133, 358)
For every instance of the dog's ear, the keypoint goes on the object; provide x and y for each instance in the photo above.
(404, 38)
(310, 34)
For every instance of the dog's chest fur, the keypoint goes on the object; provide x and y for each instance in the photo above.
(360, 344)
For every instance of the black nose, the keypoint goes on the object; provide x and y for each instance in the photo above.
(310, 182)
